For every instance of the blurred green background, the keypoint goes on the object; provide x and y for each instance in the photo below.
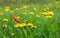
(7, 2)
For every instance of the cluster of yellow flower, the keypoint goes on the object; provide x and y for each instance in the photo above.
(31, 13)
(7, 8)
(5, 19)
(25, 6)
(17, 9)
(31, 25)
(20, 25)
(48, 14)
(24, 25)
(35, 8)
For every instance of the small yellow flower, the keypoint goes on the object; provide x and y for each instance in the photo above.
(31, 13)
(20, 25)
(48, 16)
(5, 19)
(25, 6)
(23, 24)
(12, 34)
(7, 8)
(17, 25)
(37, 16)
(45, 13)
(18, 17)
(17, 9)
(31, 25)
(35, 8)
(48, 13)
(51, 12)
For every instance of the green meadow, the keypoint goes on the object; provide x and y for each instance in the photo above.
(33, 20)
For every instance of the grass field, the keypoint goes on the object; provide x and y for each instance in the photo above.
(30, 21)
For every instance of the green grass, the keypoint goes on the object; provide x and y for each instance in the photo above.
(46, 28)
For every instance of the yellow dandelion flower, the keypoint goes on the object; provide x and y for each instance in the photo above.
(51, 12)
(7, 8)
(18, 17)
(20, 25)
(45, 13)
(23, 24)
(48, 13)
(17, 25)
(12, 34)
(17, 9)
(37, 16)
(30, 24)
(25, 6)
(31, 13)
(35, 8)
(48, 16)
(33, 26)
(5, 19)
